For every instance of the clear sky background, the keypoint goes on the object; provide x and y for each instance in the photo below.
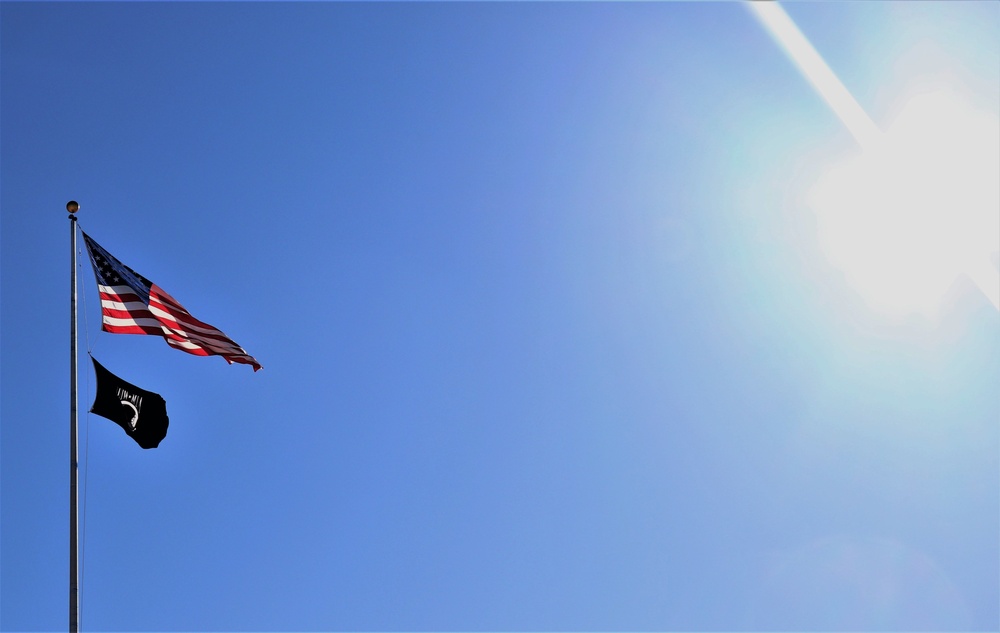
(548, 335)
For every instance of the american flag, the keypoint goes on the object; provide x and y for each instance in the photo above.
(132, 304)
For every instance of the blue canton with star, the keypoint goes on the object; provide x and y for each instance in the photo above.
(111, 272)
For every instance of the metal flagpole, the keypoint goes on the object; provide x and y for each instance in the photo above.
(74, 591)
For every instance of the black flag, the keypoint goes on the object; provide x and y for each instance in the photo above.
(143, 414)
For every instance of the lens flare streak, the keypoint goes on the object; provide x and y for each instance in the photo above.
(919, 206)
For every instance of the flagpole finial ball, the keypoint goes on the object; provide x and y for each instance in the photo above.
(72, 206)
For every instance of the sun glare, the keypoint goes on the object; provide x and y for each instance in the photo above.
(918, 208)
(919, 205)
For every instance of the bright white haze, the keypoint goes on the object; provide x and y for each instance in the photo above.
(920, 205)
(910, 214)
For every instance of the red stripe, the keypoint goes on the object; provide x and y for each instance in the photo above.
(210, 342)
(199, 329)
(184, 320)
(208, 346)
(127, 314)
(214, 337)
(177, 329)
(120, 296)
(197, 351)
(125, 297)
(129, 329)
(169, 304)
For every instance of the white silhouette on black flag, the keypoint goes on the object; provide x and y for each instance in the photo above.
(142, 414)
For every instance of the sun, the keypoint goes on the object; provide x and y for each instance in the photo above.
(917, 207)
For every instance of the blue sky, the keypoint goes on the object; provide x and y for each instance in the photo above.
(549, 338)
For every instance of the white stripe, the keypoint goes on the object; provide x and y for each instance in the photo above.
(126, 322)
(182, 344)
(186, 346)
(117, 290)
(193, 337)
(190, 344)
(131, 306)
(215, 346)
(188, 327)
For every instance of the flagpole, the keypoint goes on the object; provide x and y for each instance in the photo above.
(74, 590)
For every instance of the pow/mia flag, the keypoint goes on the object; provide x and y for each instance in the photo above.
(143, 414)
